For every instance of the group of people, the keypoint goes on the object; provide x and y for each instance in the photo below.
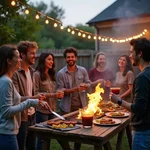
(27, 96)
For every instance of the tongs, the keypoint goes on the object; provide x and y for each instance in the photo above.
(56, 114)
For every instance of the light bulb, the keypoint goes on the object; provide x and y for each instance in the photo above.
(13, 3)
(26, 11)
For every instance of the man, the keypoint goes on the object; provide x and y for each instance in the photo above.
(140, 55)
(70, 79)
(100, 71)
(23, 81)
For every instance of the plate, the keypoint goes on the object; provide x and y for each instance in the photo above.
(117, 121)
(110, 114)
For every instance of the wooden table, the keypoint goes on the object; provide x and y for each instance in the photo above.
(98, 136)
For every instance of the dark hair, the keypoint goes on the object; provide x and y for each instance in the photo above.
(6, 52)
(128, 65)
(70, 50)
(141, 45)
(41, 67)
(23, 46)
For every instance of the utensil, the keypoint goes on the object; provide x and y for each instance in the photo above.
(56, 114)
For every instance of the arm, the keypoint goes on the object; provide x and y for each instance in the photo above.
(8, 108)
(128, 92)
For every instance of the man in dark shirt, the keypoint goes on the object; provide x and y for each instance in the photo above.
(100, 71)
(140, 108)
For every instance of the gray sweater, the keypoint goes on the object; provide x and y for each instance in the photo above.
(10, 106)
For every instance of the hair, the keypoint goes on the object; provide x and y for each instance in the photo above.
(70, 50)
(6, 52)
(41, 67)
(128, 65)
(95, 64)
(23, 46)
(141, 45)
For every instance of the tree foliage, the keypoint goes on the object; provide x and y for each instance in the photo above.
(16, 26)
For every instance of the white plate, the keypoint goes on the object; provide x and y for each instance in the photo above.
(117, 121)
(109, 114)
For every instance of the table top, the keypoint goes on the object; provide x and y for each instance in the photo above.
(95, 135)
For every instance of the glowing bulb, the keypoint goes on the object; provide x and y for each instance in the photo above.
(55, 25)
(83, 35)
(103, 39)
(99, 37)
(89, 37)
(26, 11)
(79, 33)
(37, 16)
(13, 3)
(69, 30)
(46, 21)
(72, 32)
(106, 40)
(145, 30)
(61, 27)
(94, 37)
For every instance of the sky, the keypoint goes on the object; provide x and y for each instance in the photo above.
(79, 11)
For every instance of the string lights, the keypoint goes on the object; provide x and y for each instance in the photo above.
(76, 31)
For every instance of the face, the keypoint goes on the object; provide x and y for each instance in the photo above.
(134, 58)
(101, 61)
(14, 63)
(49, 62)
(29, 58)
(122, 62)
(71, 59)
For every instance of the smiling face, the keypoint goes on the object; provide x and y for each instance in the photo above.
(101, 61)
(14, 63)
(71, 59)
(49, 62)
(122, 62)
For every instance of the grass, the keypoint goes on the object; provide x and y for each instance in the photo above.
(55, 145)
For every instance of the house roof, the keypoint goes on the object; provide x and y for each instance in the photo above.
(123, 9)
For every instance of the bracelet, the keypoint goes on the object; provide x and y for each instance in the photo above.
(119, 102)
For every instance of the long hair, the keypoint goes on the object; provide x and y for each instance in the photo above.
(6, 52)
(41, 67)
(95, 64)
(128, 65)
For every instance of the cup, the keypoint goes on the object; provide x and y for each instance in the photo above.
(87, 119)
(61, 93)
(115, 90)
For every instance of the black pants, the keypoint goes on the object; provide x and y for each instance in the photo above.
(26, 141)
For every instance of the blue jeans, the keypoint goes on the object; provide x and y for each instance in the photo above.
(141, 140)
(40, 117)
(8, 142)
(25, 139)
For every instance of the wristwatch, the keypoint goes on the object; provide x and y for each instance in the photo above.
(119, 102)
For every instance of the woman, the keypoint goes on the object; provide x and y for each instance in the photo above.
(10, 106)
(45, 82)
(125, 77)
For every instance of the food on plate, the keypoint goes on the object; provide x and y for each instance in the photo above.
(105, 121)
(117, 114)
(110, 109)
(61, 124)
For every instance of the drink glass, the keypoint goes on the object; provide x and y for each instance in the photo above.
(87, 119)
(115, 90)
(61, 93)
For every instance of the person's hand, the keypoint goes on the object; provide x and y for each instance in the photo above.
(107, 83)
(40, 96)
(81, 87)
(59, 94)
(114, 98)
(44, 104)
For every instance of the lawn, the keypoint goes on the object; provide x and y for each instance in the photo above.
(56, 146)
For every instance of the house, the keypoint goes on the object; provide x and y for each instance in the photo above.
(121, 20)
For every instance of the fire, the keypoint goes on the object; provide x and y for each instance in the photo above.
(94, 100)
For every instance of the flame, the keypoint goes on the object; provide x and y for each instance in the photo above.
(94, 100)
